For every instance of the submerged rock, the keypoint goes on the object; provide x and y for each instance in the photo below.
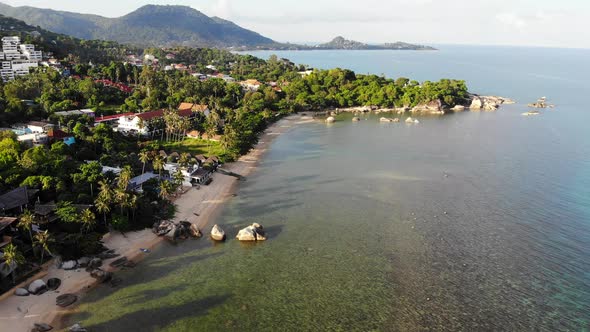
(37, 287)
(21, 292)
(385, 120)
(77, 328)
(66, 300)
(217, 233)
(458, 108)
(409, 120)
(356, 119)
(331, 119)
(53, 283)
(101, 276)
(119, 262)
(41, 327)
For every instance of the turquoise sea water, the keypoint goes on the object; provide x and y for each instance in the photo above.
(471, 221)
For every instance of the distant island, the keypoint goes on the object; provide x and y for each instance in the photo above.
(340, 43)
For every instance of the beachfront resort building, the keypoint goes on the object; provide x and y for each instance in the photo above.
(17, 59)
(139, 123)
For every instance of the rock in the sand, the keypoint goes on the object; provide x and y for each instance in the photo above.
(217, 233)
(119, 262)
(38, 286)
(101, 276)
(77, 328)
(108, 254)
(195, 231)
(95, 263)
(251, 233)
(53, 283)
(331, 120)
(66, 300)
(356, 119)
(69, 265)
(83, 262)
(21, 292)
(41, 327)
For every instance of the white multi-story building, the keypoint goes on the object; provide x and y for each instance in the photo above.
(17, 59)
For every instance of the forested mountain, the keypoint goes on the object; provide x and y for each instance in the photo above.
(150, 25)
(63, 46)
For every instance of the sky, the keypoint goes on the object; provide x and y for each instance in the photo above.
(554, 23)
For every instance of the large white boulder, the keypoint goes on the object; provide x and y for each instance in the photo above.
(476, 103)
(252, 233)
(217, 233)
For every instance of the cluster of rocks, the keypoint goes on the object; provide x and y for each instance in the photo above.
(175, 231)
(488, 103)
(39, 287)
(541, 103)
(389, 119)
(252, 233)
(434, 107)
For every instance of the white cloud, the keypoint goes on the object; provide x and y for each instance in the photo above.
(512, 20)
(223, 9)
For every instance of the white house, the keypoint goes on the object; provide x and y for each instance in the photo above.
(251, 85)
(39, 127)
(139, 122)
(33, 139)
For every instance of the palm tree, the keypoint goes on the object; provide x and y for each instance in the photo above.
(42, 239)
(158, 164)
(104, 200)
(132, 203)
(125, 177)
(144, 157)
(164, 189)
(184, 159)
(178, 177)
(13, 258)
(26, 222)
(88, 220)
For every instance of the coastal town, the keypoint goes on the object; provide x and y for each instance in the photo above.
(102, 161)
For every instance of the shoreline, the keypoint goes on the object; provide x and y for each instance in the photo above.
(20, 313)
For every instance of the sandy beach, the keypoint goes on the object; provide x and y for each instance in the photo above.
(200, 207)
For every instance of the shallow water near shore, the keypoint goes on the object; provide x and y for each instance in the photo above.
(470, 221)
